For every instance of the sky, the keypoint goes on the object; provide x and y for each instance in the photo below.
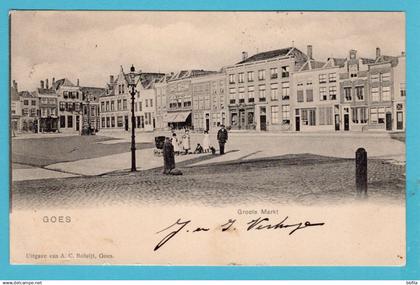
(91, 45)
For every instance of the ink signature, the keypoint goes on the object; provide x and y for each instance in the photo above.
(253, 225)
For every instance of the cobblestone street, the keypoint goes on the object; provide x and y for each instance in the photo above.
(302, 179)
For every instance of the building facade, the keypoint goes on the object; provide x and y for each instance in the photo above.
(30, 110)
(316, 98)
(209, 108)
(90, 107)
(15, 108)
(259, 89)
(69, 100)
(115, 103)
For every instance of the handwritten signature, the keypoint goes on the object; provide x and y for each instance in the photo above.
(253, 225)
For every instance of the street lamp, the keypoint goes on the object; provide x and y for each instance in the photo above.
(132, 87)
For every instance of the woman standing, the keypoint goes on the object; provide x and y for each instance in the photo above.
(206, 142)
(186, 144)
(175, 143)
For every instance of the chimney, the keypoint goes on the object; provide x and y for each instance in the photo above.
(42, 84)
(403, 53)
(53, 81)
(378, 52)
(309, 51)
(15, 85)
(77, 84)
(111, 79)
(244, 55)
(46, 83)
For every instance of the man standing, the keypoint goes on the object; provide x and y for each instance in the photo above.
(222, 137)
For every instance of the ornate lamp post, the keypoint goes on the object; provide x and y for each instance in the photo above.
(132, 88)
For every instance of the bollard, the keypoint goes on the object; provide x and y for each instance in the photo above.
(361, 173)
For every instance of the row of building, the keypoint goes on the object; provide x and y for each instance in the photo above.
(278, 90)
(61, 107)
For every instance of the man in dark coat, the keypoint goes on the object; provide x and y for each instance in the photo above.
(222, 137)
(168, 156)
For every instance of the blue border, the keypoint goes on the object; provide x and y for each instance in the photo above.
(408, 272)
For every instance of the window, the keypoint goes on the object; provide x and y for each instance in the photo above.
(241, 77)
(274, 114)
(250, 76)
(241, 96)
(261, 93)
(402, 90)
(285, 91)
(261, 74)
(386, 76)
(285, 114)
(332, 77)
(308, 83)
(300, 84)
(103, 106)
(70, 121)
(65, 94)
(375, 94)
(186, 103)
(250, 94)
(322, 78)
(386, 93)
(325, 116)
(300, 95)
(112, 122)
(107, 105)
(273, 73)
(323, 93)
(377, 115)
(374, 77)
(333, 92)
(308, 117)
(77, 107)
(112, 105)
(147, 103)
(25, 102)
(140, 106)
(309, 95)
(359, 93)
(124, 104)
(232, 95)
(33, 113)
(285, 71)
(119, 105)
(359, 115)
(274, 92)
(231, 78)
(347, 94)
(62, 121)
(151, 103)
(119, 121)
(62, 106)
(108, 122)
(103, 122)
(33, 103)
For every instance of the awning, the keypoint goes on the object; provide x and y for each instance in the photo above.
(178, 117)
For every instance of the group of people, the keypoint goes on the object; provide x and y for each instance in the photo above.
(174, 146)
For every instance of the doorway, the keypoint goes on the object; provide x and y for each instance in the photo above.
(337, 122)
(400, 121)
(346, 122)
(297, 124)
(388, 121)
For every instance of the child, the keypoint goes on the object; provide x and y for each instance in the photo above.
(206, 142)
(198, 149)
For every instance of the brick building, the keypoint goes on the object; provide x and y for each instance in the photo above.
(259, 89)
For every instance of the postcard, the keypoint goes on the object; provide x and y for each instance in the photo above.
(208, 138)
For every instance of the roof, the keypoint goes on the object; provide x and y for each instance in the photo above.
(386, 59)
(62, 82)
(340, 62)
(312, 64)
(183, 74)
(367, 60)
(44, 91)
(270, 54)
(27, 94)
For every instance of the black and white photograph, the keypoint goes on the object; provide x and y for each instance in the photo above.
(207, 138)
